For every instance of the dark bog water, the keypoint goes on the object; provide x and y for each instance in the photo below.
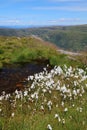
(14, 78)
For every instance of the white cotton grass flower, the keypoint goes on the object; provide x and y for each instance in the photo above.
(74, 92)
(47, 65)
(1, 98)
(31, 77)
(7, 96)
(49, 107)
(57, 117)
(58, 87)
(3, 93)
(42, 107)
(49, 127)
(57, 105)
(44, 90)
(59, 70)
(80, 109)
(82, 89)
(16, 92)
(63, 89)
(17, 96)
(66, 109)
(49, 104)
(80, 95)
(73, 105)
(50, 91)
(25, 93)
(32, 86)
(63, 121)
(78, 91)
(44, 69)
(0, 109)
(62, 103)
(12, 115)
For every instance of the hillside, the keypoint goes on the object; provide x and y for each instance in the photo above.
(16, 50)
(49, 101)
(72, 38)
(53, 97)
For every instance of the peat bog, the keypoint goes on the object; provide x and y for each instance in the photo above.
(14, 77)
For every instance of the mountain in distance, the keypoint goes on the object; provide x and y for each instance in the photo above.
(16, 26)
(20, 26)
(72, 38)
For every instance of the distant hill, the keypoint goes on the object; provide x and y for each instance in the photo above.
(72, 38)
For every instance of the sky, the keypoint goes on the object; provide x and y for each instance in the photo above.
(42, 12)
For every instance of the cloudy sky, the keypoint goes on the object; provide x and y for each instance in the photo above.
(43, 12)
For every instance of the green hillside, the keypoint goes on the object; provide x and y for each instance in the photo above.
(16, 50)
(49, 100)
(73, 38)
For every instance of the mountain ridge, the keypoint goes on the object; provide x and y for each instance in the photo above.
(71, 38)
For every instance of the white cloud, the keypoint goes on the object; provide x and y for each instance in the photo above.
(6, 21)
(65, 0)
(65, 20)
(66, 8)
(10, 22)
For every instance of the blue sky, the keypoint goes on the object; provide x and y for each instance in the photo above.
(43, 12)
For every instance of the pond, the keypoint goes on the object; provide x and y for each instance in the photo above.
(12, 78)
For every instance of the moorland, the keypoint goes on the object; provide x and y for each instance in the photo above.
(52, 98)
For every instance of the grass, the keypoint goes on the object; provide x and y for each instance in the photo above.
(35, 107)
(15, 50)
(22, 111)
